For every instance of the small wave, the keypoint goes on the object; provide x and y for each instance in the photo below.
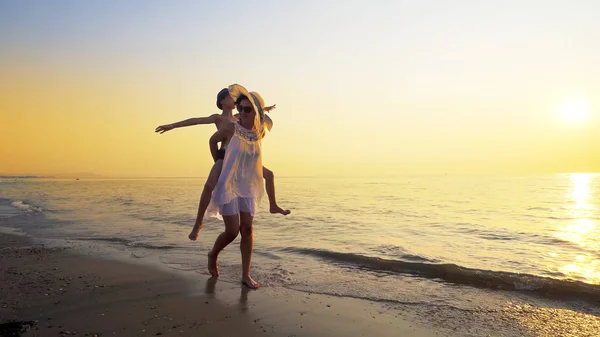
(389, 250)
(176, 220)
(130, 243)
(498, 235)
(572, 245)
(453, 273)
(151, 246)
(277, 276)
(12, 231)
(413, 215)
(267, 254)
(547, 209)
(26, 207)
(561, 217)
(388, 300)
(501, 234)
(122, 201)
(115, 240)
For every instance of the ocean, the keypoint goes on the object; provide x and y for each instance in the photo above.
(446, 249)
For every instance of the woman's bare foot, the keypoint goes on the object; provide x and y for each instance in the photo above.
(274, 209)
(250, 283)
(195, 231)
(213, 267)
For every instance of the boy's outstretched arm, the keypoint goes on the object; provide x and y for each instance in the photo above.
(269, 108)
(188, 122)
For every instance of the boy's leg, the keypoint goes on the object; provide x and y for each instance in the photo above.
(205, 197)
(270, 186)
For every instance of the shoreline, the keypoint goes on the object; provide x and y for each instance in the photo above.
(56, 292)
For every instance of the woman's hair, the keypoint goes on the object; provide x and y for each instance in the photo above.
(240, 99)
(243, 97)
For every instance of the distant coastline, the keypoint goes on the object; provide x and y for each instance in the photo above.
(52, 176)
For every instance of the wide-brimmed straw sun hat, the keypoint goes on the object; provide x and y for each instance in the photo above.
(236, 90)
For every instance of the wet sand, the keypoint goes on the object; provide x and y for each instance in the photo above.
(56, 292)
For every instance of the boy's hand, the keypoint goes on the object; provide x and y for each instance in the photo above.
(269, 108)
(164, 128)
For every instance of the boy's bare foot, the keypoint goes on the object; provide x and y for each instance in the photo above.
(276, 209)
(213, 267)
(250, 283)
(195, 231)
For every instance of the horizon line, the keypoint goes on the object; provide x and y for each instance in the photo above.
(97, 176)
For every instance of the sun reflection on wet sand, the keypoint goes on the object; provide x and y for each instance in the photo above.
(552, 322)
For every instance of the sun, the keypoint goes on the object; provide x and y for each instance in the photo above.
(576, 111)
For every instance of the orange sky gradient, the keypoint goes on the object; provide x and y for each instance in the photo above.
(385, 89)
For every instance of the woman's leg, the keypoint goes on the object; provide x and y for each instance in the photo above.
(209, 186)
(232, 228)
(246, 246)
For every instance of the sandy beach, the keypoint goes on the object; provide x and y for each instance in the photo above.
(56, 292)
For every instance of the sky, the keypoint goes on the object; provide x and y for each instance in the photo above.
(366, 88)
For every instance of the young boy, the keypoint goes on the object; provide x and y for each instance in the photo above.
(223, 121)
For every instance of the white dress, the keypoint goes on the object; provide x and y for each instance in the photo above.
(242, 174)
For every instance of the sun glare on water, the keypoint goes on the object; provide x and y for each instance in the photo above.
(581, 229)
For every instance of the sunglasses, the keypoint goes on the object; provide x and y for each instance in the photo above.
(246, 109)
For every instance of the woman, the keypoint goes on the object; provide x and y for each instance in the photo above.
(240, 185)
